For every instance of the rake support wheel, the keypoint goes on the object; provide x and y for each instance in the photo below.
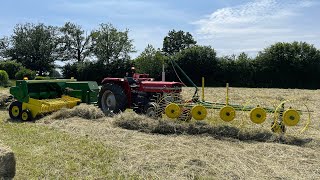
(173, 110)
(199, 112)
(258, 115)
(227, 113)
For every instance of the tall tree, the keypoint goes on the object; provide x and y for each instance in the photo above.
(176, 41)
(34, 46)
(110, 44)
(4, 46)
(295, 65)
(150, 61)
(74, 43)
(197, 62)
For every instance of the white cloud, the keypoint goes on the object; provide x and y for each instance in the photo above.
(148, 21)
(255, 25)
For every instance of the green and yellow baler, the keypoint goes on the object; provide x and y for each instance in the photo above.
(35, 97)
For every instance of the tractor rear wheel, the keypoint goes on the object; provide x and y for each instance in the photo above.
(112, 99)
(15, 109)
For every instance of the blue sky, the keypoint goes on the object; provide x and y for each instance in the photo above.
(228, 26)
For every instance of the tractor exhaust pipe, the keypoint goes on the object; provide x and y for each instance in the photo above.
(163, 73)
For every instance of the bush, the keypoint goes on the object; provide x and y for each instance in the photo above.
(93, 71)
(42, 78)
(11, 67)
(55, 74)
(69, 70)
(25, 73)
(4, 78)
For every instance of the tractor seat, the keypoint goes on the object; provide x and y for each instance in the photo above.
(131, 81)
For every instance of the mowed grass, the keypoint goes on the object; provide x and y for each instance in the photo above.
(133, 146)
(46, 153)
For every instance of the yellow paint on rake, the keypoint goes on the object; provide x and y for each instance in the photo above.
(308, 121)
(199, 112)
(227, 113)
(258, 115)
(275, 114)
(173, 110)
(291, 117)
(227, 94)
(286, 101)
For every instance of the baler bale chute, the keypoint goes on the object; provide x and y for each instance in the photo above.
(35, 97)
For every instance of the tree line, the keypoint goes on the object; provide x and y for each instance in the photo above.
(105, 52)
(281, 65)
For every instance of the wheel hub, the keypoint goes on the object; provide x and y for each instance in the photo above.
(15, 111)
(151, 112)
(109, 101)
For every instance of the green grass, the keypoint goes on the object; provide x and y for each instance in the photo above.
(44, 152)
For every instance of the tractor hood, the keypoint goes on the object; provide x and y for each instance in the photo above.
(160, 86)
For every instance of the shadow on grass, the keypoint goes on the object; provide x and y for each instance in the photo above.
(202, 128)
(20, 121)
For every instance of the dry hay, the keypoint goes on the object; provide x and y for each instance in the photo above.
(83, 111)
(141, 123)
(166, 149)
(7, 162)
(5, 99)
(203, 156)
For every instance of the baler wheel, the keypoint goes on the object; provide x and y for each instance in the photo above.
(15, 109)
(112, 99)
(26, 115)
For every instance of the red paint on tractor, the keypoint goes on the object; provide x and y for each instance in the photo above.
(160, 86)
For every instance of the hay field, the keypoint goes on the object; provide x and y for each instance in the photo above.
(147, 149)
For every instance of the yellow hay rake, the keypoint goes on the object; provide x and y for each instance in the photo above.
(175, 108)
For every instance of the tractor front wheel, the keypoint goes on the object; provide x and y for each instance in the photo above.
(112, 99)
(15, 109)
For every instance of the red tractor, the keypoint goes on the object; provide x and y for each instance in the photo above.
(139, 92)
